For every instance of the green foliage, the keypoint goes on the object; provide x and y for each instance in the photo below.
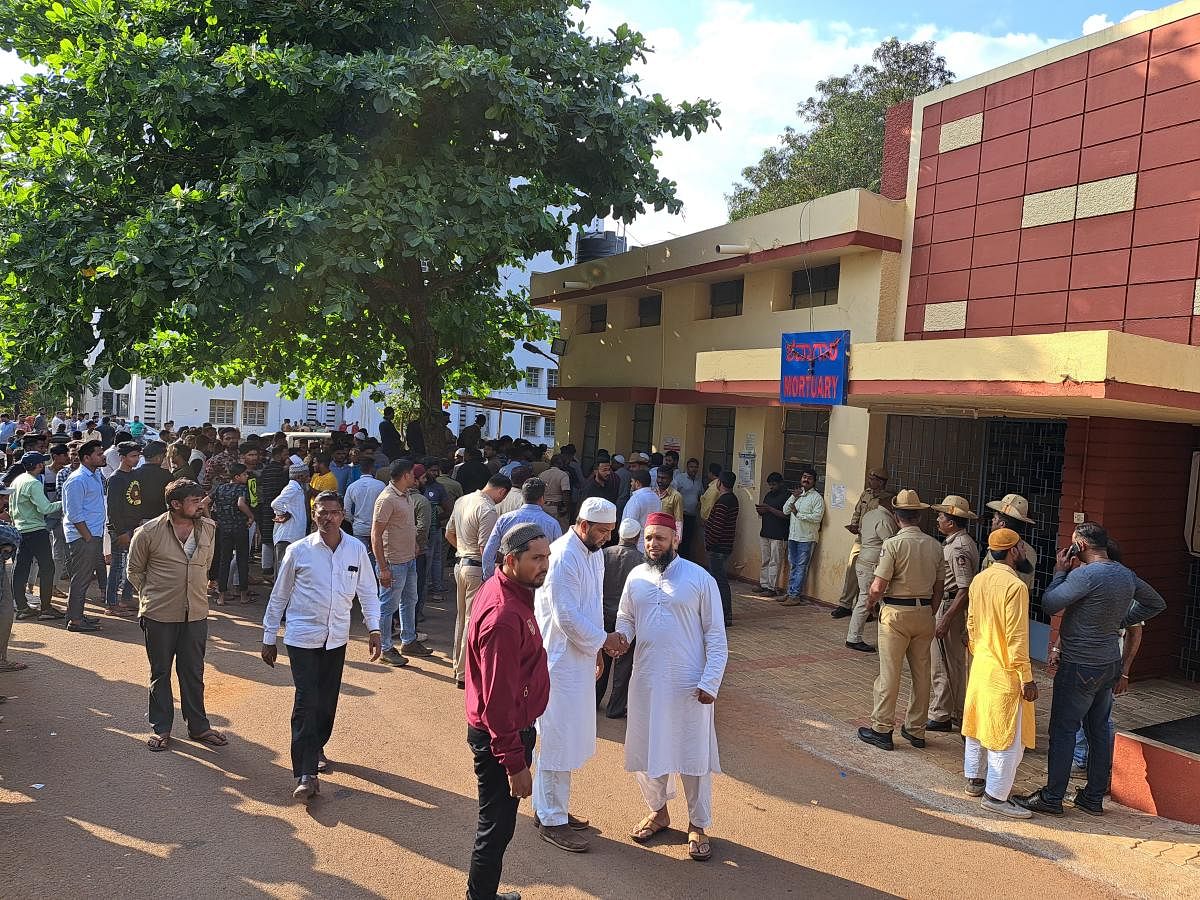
(307, 193)
(842, 146)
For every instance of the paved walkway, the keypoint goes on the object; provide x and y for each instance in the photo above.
(796, 661)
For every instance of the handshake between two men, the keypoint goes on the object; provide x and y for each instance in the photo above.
(614, 645)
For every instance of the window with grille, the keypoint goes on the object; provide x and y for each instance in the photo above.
(591, 435)
(114, 404)
(533, 377)
(650, 310)
(815, 287)
(222, 412)
(548, 427)
(254, 413)
(552, 378)
(598, 318)
(805, 443)
(529, 426)
(725, 298)
(643, 427)
(718, 436)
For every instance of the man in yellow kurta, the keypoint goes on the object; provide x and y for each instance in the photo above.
(998, 716)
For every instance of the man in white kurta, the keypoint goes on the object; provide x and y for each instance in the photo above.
(673, 608)
(570, 613)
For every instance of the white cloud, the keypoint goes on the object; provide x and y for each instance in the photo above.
(1100, 21)
(758, 69)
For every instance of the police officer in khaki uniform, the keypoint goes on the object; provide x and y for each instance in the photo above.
(908, 587)
(867, 500)
(1013, 512)
(950, 631)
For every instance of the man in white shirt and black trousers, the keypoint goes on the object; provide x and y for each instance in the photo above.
(316, 585)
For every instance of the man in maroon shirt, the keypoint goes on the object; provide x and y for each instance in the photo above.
(507, 686)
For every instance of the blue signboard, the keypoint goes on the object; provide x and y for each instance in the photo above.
(814, 368)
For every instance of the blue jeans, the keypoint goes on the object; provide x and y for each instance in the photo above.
(1082, 694)
(402, 596)
(435, 553)
(799, 554)
(118, 588)
(1081, 744)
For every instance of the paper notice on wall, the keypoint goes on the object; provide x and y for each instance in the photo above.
(672, 442)
(746, 469)
(837, 496)
(751, 441)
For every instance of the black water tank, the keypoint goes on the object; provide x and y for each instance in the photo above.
(597, 244)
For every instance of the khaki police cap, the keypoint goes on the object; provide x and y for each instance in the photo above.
(907, 499)
(956, 506)
(1013, 505)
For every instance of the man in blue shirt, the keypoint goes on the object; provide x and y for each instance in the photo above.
(1097, 597)
(83, 527)
(533, 492)
(7, 428)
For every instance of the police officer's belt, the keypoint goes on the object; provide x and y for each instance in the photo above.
(906, 601)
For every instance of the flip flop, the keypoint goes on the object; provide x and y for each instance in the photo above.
(210, 737)
(648, 828)
(158, 742)
(699, 847)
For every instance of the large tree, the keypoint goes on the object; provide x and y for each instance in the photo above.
(310, 192)
(840, 143)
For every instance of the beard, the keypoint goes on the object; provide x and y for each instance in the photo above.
(664, 559)
(1025, 567)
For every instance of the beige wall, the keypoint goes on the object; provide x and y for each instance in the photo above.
(665, 356)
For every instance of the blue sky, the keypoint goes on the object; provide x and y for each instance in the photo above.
(760, 58)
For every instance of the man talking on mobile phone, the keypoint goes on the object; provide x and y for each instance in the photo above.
(507, 687)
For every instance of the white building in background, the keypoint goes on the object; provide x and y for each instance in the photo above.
(251, 407)
(523, 410)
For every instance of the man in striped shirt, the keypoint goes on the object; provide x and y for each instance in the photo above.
(720, 533)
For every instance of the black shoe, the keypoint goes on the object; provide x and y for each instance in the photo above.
(975, 787)
(26, 613)
(508, 895)
(92, 620)
(881, 740)
(461, 685)
(1080, 802)
(933, 725)
(416, 648)
(393, 657)
(862, 647)
(841, 613)
(918, 742)
(82, 626)
(322, 763)
(1035, 802)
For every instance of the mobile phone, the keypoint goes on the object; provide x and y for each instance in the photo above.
(1072, 551)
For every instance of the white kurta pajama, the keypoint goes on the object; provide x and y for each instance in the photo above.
(570, 613)
(681, 649)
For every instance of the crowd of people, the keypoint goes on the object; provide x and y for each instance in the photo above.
(571, 586)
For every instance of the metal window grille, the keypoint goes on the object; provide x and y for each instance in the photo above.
(650, 311)
(113, 403)
(222, 412)
(718, 436)
(598, 318)
(815, 287)
(643, 427)
(548, 427)
(552, 378)
(529, 426)
(1189, 653)
(725, 298)
(805, 443)
(984, 459)
(254, 413)
(533, 377)
(591, 435)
